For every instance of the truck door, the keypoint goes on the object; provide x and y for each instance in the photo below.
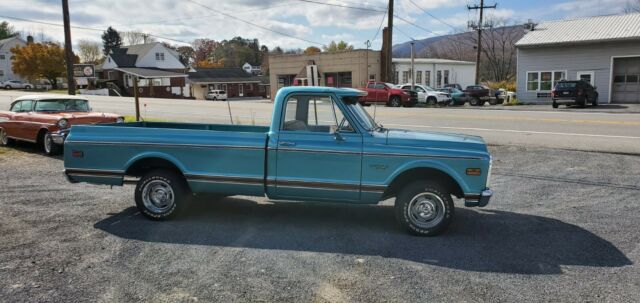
(319, 153)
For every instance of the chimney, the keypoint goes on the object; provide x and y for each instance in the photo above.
(383, 56)
(29, 39)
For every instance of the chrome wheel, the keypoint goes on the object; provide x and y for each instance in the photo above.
(4, 139)
(426, 210)
(158, 196)
(48, 142)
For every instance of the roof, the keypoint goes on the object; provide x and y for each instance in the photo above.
(135, 52)
(220, 75)
(124, 60)
(584, 30)
(49, 96)
(431, 61)
(7, 40)
(150, 72)
(347, 92)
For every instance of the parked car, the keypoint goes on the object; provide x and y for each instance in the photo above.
(577, 92)
(386, 93)
(46, 120)
(455, 85)
(216, 95)
(16, 84)
(480, 94)
(458, 97)
(428, 95)
(322, 146)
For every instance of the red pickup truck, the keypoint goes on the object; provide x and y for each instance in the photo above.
(380, 92)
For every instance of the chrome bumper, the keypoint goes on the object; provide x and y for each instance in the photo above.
(481, 200)
(59, 136)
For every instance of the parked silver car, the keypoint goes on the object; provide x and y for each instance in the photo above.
(16, 84)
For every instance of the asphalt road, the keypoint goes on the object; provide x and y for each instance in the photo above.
(560, 229)
(611, 128)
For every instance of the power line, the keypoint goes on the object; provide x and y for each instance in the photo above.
(253, 24)
(377, 10)
(85, 28)
(380, 26)
(432, 16)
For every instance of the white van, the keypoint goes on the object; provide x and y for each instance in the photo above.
(216, 95)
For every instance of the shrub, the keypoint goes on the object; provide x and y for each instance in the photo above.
(508, 85)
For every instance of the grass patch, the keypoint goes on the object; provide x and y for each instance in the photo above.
(128, 119)
(3, 150)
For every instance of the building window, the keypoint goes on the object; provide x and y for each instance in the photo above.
(372, 78)
(405, 77)
(159, 56)
(419, 77)
(1, 73)
(396, 77)
(446, 77)
(156, 82)
(342, 79)
(2, 57)
(427, 77)
(544, 81)
(439, 79)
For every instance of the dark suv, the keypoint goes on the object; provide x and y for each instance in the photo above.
(576, 92)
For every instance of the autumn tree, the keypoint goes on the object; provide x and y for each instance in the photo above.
(133, 38)
(6, 30)
(203, 49)
(312, 50)
(40, 60)
(89, 52)
(187, 54)
(337, 47)
(110, 40)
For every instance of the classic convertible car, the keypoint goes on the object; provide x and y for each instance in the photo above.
(46, 119)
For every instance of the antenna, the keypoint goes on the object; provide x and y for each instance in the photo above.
(530, 25)
(229, 107)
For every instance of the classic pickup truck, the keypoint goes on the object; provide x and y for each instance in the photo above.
(322, 146)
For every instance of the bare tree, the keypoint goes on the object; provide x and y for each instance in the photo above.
(633, 6)
(89, 51)
(133, 38)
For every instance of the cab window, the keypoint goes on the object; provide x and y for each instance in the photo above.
(318, 114)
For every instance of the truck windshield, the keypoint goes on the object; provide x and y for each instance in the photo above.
(360, 113)
(62, 105)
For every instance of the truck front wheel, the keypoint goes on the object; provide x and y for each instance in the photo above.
(395, 101)
(160, 194)
(424, 208)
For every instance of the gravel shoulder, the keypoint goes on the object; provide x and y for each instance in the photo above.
(563, 226)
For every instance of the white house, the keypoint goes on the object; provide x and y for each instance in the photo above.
(6, 73)
(158, 68)
(435, 72)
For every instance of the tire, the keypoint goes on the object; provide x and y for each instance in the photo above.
(554, 104)
(49, 147)
(171, 194)
(594, 103)
(583, 103)
(4, 139)
(395, 101)
(474, 101)
(493, 101)
(424, 208)
(214, 99)
(7, 87)
(432, 101)
(27, 87)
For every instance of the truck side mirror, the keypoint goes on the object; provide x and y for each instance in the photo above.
(335, 130)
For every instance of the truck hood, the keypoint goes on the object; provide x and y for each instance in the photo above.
(435, 140)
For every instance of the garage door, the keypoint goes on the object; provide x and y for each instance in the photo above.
(626, 80)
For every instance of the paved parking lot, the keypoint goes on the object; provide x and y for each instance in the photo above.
(563, 226)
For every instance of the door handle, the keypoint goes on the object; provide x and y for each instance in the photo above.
(287, 144)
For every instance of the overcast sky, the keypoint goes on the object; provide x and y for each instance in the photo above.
(184, 20)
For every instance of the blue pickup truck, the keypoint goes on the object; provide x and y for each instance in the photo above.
(322, 146)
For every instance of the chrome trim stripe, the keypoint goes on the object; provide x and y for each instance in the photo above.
(94, 172)
(301, 150)
(421, 156)
(225, 179)
(94, 175)
(168, 145)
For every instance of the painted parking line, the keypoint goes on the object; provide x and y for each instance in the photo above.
(515, 131)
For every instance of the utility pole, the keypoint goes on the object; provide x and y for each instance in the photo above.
(68, 48)
(479, 27)
(413, 74)
(389, 64)
(136, 97)
(368, 44)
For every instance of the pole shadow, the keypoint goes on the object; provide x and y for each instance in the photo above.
(479, 241)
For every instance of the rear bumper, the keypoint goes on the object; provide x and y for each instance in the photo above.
(478, 200)
(59, 136)
(565, 100)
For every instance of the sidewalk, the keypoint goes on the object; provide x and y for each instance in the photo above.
(602, 108)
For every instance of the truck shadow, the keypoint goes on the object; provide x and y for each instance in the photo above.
(480, 241)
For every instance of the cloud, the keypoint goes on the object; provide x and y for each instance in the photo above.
(584, 8)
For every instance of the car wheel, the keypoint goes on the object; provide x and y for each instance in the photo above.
(424, 208)
(493, 101)
(474, 101)
(160, 194)
(432, 101)
(554, 104)
(50, 148)
(7, 87)
(214, 99)
(594, 103)
(4, 138)
(27, 87)
(395, 101)
(582, 103)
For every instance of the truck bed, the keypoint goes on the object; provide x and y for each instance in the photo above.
(217, 158)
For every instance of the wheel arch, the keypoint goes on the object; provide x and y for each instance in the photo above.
(140, 164)
(428, 171)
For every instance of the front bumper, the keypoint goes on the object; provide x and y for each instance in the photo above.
(59, 136)
(475, 200)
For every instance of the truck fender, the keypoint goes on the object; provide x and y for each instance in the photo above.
(159, 155)
(429, 164)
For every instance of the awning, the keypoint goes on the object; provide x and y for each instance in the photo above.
(150, 72)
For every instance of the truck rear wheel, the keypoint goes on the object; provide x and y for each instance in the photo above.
(424, 208)
(161, 194)
(395, 101)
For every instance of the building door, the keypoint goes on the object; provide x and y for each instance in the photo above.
(240, 90)
(626, 80)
